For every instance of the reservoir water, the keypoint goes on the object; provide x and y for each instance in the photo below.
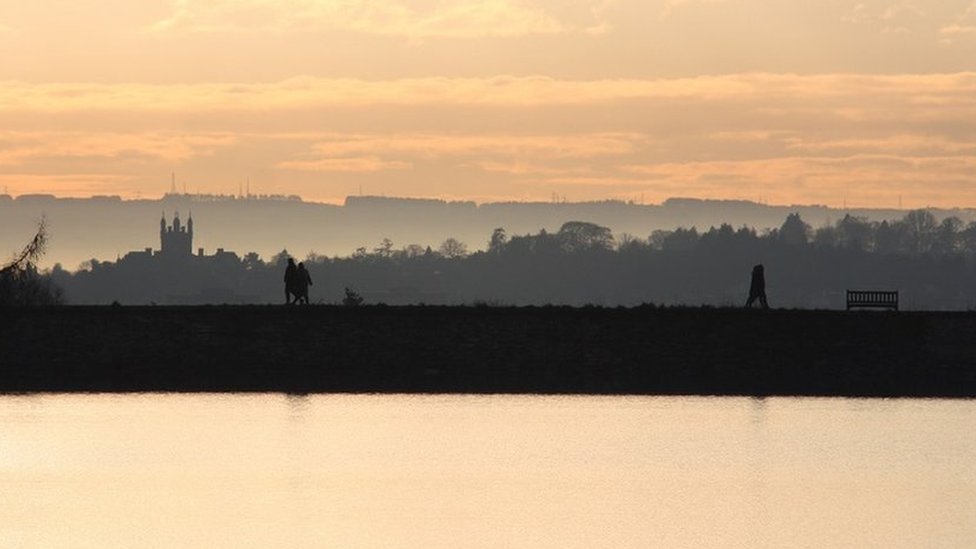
(484, 471)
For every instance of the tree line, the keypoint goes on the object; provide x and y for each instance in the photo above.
(933, 263)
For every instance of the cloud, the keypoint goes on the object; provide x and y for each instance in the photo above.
(906, 145)
(868, 177)
(22, 147)
(880, 12)
(670, 6)
(495, 153)
(523, 168)
(345, 164)
(446, 19)
(772, 171)
(438, 145)
(888, 17)
(790, 138)
(502, 91)
(964, 24)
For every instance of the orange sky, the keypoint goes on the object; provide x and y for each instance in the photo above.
(864, 103)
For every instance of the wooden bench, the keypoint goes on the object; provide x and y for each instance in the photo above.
(872, 298)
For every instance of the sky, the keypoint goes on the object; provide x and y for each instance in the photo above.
(864, 104)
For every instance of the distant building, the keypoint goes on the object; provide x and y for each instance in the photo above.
(174, 275)
(176, 240)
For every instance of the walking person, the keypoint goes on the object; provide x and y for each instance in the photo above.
(302, 281)
(757, 288)
(291, 277)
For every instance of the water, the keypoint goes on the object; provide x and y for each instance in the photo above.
(471, 471)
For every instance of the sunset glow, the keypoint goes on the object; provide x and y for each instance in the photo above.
(869, 104)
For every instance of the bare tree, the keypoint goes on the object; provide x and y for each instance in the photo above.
(385, 249)
(32, 251)
(921, 230)
(20, 282)
(452, 248)
(413, 250)
(498, 240)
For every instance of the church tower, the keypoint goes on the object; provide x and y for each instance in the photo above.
(177, 239)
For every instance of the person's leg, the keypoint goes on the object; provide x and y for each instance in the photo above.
(762, 300)
(750, 300)
(287, 297)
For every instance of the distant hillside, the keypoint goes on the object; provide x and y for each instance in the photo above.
(108, 227)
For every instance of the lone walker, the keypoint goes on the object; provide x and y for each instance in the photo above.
(757, 288)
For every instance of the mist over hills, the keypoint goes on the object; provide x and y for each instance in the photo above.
(108, 227)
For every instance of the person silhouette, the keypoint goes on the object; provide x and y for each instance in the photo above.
(302, 281)
(291, 276)
(757, 288)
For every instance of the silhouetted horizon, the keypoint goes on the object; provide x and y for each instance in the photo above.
(555, 199)
(107, 227)
(931, 261)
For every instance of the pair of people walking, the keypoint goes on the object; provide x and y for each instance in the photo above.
(297, 281)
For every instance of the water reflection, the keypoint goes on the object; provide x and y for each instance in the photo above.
(448, 471)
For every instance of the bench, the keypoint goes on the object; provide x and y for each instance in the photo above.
(872, 298)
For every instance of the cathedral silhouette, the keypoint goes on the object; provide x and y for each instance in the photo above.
(174, 275)
(176, 244)
(177, 239)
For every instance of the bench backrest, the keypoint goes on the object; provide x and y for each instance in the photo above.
(872, 298)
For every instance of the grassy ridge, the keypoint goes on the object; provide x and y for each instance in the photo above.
(488, 350)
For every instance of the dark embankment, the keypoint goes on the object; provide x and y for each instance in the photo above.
(488, 350)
